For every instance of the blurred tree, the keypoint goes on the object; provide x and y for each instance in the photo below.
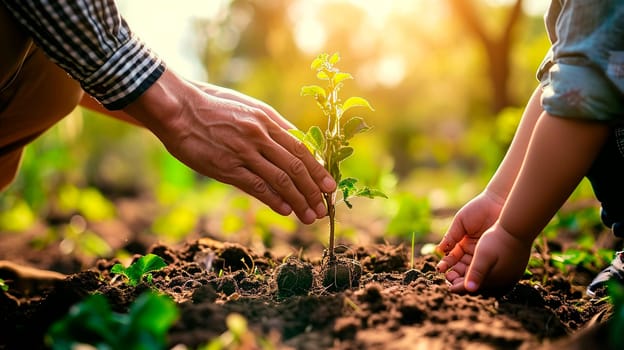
(497, 47)
(411, 59)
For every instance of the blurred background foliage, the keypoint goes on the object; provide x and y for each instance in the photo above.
(448, 80)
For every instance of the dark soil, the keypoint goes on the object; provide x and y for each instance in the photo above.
(392, 306)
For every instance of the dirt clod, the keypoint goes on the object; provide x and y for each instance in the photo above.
(394, 309)
(341, 274)
(294, 277)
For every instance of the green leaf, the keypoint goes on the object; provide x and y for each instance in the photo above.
(355, 101)
(93, 322)
(140, 268)
(347, 186)
(153, 312)
(340, 77)
(315, 139)
(90, 321)
(334, 58)
(300, 135)
(348, 182)
(313, 90)
(354, 126)
(322, 75)
(317, 62)
(370, 193)
(343, 153)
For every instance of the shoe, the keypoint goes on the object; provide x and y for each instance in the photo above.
(613, 271)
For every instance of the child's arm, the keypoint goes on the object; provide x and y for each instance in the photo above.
(481, 213)
(560, 153)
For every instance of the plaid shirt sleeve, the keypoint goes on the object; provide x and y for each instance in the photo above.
(92, 42)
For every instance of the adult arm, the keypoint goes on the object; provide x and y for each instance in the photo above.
(232, 138)
(234, 142)
(481, 213)
(92, 42)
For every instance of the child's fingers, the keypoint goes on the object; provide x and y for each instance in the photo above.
(454, 234)
(458, 271)
(478, 270)
(457, 286)
(446, 263)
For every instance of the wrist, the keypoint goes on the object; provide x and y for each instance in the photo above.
(496, 196)
(522, 240)
(160, 107)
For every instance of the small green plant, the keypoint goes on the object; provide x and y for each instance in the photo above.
(92, 322)
(590, 260)
(140, 269)
(331, 147)
(412, 253)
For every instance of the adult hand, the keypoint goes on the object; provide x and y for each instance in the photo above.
(470, 222)
(221, 92)
(237, 140)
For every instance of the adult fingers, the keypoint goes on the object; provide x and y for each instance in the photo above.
(257, 187)
(254, 146)
(308, 176)
(281, 183)
(317, 172)
(271, 185)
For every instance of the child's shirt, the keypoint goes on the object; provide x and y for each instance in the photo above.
(583, 73)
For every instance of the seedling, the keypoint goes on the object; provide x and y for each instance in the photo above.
(141, 269)
(3, 286)
(332, 146)
(92, 322)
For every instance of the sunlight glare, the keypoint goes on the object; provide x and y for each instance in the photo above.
(390, 70)
(309, 34)
(167, 29)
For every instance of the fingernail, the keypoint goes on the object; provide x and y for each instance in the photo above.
(328, 183)
(285, 209)
(309, 216)
(471, 286)
(321, 211)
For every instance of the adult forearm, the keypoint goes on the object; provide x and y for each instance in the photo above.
(92, 42)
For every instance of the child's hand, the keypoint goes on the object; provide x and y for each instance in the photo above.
(467, 227)
(498, 262)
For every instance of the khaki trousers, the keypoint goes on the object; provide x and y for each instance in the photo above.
(34, 94)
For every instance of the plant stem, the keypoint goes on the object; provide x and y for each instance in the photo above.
(331, 212)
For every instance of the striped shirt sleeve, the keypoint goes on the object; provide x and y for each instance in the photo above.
(92, 42)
